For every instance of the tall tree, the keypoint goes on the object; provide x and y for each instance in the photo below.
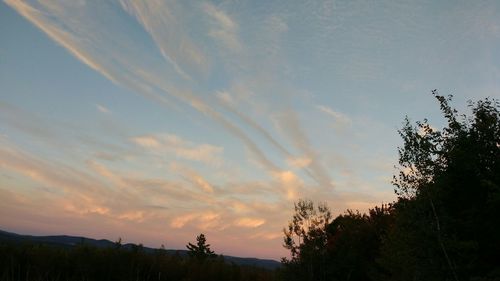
(446, 224)
(306, 239)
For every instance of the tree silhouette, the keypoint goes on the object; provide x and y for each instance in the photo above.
(306, 239)
(443, 225)
(446, 224)
(201, 250)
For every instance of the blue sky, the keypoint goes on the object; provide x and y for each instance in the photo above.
(158, 120)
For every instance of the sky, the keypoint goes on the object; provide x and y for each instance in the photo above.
(155, 121)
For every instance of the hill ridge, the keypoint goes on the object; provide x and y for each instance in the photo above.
(70, 241)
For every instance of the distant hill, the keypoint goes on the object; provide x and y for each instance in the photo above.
(70, 241)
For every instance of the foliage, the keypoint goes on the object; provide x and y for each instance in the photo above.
(344, 249)
(45, 262)
(306, 239)
(201, 250)
(306, 231)
(354, 243)
(444, 224)
(449, 187)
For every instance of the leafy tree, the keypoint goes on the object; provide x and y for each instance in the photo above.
(346, 248)
(306, 239)
(354, 241)
(446, 218)
(444, 224)
(201, 250)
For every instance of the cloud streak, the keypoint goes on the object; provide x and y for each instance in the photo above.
(341, 118)
(289, 123)
(132, 68)
(164, 144)
(103, 109)
(177, 49)
(224, 29)
(128, 66)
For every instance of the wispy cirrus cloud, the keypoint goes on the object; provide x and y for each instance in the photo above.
(289, 123)
(249, 222)
(105, 197)
(229, 72)
(299, 162)
(192, 177)
(131, 67)
(164, 144)
(174, 45)
(103, 109)
(229, 104)
(22, 120)
(224, 28)
(341, 118)
(201, 221)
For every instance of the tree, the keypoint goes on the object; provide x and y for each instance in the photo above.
(345, 248)
(201, 250)
(444, 224)
(306, 239)
(448, 187)
(354, 241)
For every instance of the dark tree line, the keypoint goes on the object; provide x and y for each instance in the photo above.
(32, 261)
(445, 224)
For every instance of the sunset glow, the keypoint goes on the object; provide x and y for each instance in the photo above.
(155, 121)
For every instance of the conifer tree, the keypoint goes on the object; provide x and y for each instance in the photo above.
(201, 250)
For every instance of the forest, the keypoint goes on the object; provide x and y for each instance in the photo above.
(444, 224)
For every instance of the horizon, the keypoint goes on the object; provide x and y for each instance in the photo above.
(159, 120)
(125, 242)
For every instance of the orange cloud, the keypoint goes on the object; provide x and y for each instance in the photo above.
(249, 222)
(147, 141)
(175, 145)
